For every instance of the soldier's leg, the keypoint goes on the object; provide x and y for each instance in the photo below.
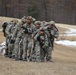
(52, 44)
(25, 43)
(10, 50)
(42, 54)
(20, 50)
(16, 49)
(29, 52)
(6, 50)
(37, 50)
(49, 54)
(33, 54)
(13, 52)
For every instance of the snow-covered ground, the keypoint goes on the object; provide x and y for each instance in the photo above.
(70, 32)
(67, 43)
(2, 48)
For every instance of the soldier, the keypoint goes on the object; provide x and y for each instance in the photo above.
(18, 43)
(41, 47)
(27, 38)
(14, 36)
(53, 33)
(9, 32)
(37, 28)
(7, 38)
(4, 26)
(23, 20)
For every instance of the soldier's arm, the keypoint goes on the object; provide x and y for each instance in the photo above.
(56, 32)
(36, 36)
(8, 30)
(15, 33)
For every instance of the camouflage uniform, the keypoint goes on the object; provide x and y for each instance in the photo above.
(53, 33)
(18, 44)
(34, 45)
(8, 37)
(10, 31)
(14, 36)
(27, 38)
(41, 45)
(4, 26)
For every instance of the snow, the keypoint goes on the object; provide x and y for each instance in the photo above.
(66, 43)
(70, 32)
(0, 29)
(2, 48)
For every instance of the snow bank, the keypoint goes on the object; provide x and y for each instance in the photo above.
(66, 43)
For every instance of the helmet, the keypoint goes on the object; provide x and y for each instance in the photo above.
(42, 29)
(52, 22)
(38, 22)
(29, 18)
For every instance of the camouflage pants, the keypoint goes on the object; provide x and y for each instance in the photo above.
(6, 50)
(37, 51)
(49, 54)
(17, 48)
(9, 47)
(27, 45)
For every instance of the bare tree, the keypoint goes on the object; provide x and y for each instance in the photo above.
(5, 7)
(45, 7)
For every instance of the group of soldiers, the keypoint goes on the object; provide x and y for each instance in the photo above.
(30, 40)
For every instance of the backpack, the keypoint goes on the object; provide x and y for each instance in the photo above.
(4, 25)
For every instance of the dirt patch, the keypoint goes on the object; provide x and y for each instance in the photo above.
(66, 26)
(62, 30)
(64, 63)
(71, 38)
